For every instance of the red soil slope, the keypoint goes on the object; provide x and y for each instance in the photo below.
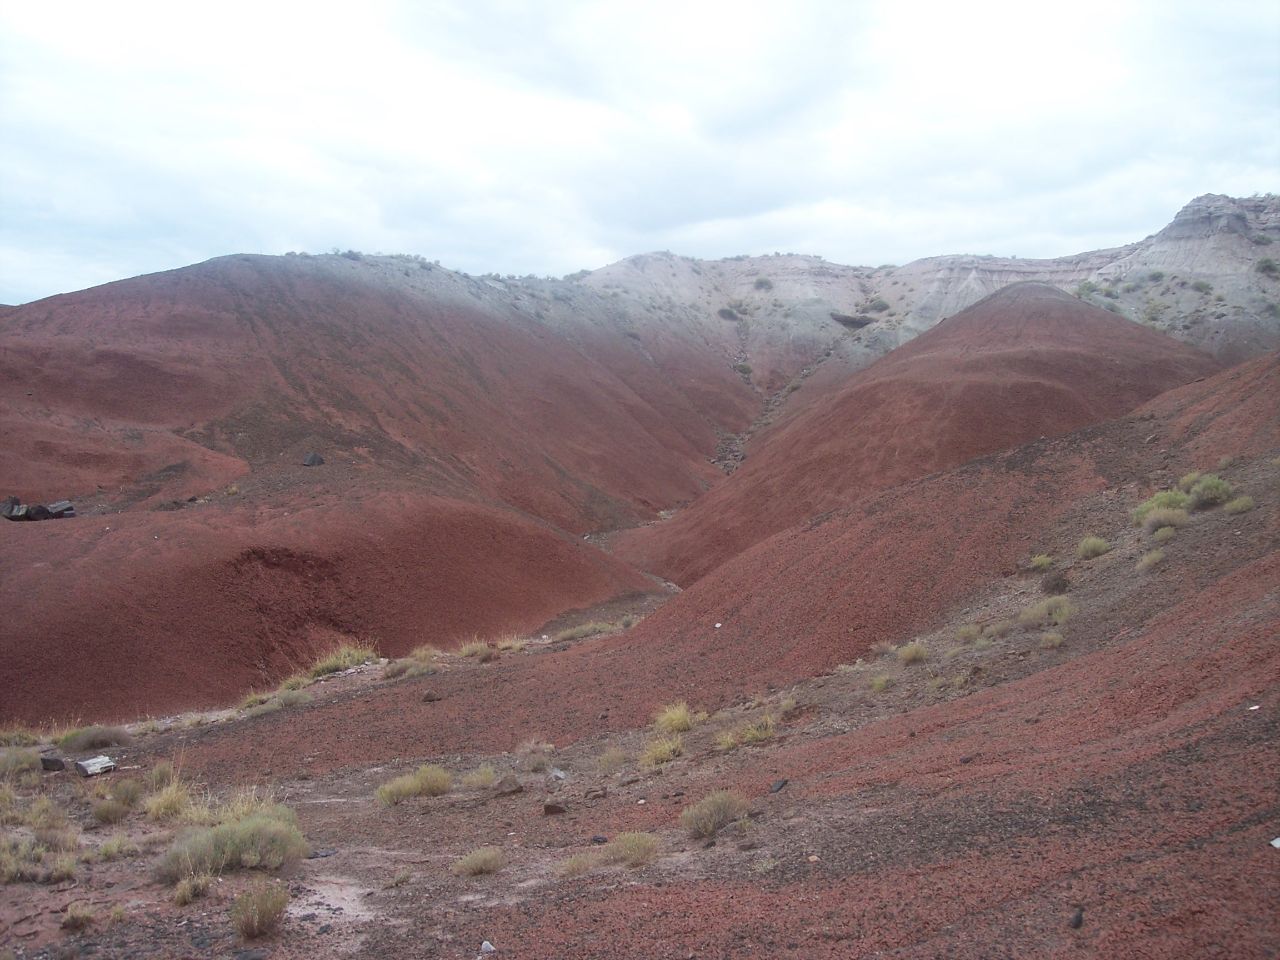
(1027, 361)
(142, 613)
(259, 359)
(808, 598)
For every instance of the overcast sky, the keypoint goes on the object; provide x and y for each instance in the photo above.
(546, 138)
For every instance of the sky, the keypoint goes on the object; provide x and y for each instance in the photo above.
(551, 137)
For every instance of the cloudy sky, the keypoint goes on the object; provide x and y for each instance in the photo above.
(549, 137)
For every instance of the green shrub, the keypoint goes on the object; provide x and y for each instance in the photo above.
(1164, 517)
(1050, 640)
(715, 811)
(968, 633)
(1055, 610)
(661, 750)
(1202, 286)
(763, 283)
(1188, 481)
(429, 780)
(17, 760)
(480, 778)
(1164, 500)
(1041, 562)
(997, 628)
(17, 737)
(1267, 267)
(914, 652)
(265, 840)
(581, 632)
(1209, 491)
(881, 683)
(1239, 505)
(632, 849)
(1091, 547)
(757, 731)
(1164, 534)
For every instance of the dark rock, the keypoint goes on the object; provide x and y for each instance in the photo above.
(320, 854)
(39, 512)
(324, 928)
(748, 845)
(1077, 919)
(778, 785)
(708, 843)
(966, 759)
(313, 459)
(430, 696)
(508, 785)
(52, 763)
(597, 794)
(255, 954)
(550, 809)
(599, 841)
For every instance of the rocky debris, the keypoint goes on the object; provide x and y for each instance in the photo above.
(313, 459)
(321, 854)
(778, 785)
(95, 765)
(52, 763)
(507, 786)
(1077, 919)
(14, 509)
(550, 809)
(430, 696)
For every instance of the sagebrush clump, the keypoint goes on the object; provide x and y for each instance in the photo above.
(1091, 547)
(429, 780)
(712, 813)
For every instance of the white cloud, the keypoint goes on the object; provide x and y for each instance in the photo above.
(545, 138)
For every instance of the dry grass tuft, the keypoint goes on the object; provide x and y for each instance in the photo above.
(997, 628)
(265, 840)
(15, 761)
(880, 684)
(1165, 517)
(1150, 559)
(914, 652)
(294, 682)
(1163, 500)
(94, 738)
(1051, 640)
(632, 849)
(344, 658)
(1055, 610)
(109, 811)
(78, 916)
(478, 650)
(18, 737)
(117, 848)
(661, 750)
(535, 755)
(713, 812)
(1091, 547)
(480, 861)
(583, 631)
(1189, 480)
(1164, 534)
(480, 778)
(511, 644)
(170, 802)
(1239, 505)
(611, 761)
(429, 780)
(673, 718)
(190, 889)
(579, 864)
(257, 912)
(757, 731)
(968, 633)
(1041, 562)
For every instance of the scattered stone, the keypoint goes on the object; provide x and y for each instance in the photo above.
(325, 928)
(488, 947)
(557, 774)
(313, 459)
(321, 854)
(708, 843)
(748, 845)
(550, 809)
(1276, 843)
(968, 759)
(778, 785)
(813, 858)
(430, 696)
(508, 785)
(52, 763)
(94, 766)
(630, 780)
(598, 793)
(255, 954)
(1077, 919)
(599, 841)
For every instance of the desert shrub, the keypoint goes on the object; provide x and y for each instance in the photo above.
(257, 911)
(1040, 562)
(18, 760)
(170, 802)
(757, 731)
(716, 810)
(480, 778)
(19, 859)
(480, 861)
(109, 811)
(1202, 286)
(295, 682)
(117, 847)
(1163, 500)
(253, 699)
(578, 864)
(764, 283)
(535, 755)
(1164, 517)
(161, 775)
(968, 633)
(581, 632)
(62, 838)
(343, 658)
(1239, 505)
(880, 684)
(632, 849)
(17, 737)
(1267, 266)
(611, 760)
(1188, 481)
(1050, 640)
(94, 738)
(78, 916)
(1091, 547)
(742, 368)
(478, 650)
(511, 644)
(727, 313)
(265, 840)
(428, 780)
(997, 628)
(1164, 534)
(661, 750)
(1150, 559)
(190, 889)
(1055, 610)
(673, 718)
(913, 652)
(44, 814)
(882, 648)
(726, 740)
(1209, 491)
